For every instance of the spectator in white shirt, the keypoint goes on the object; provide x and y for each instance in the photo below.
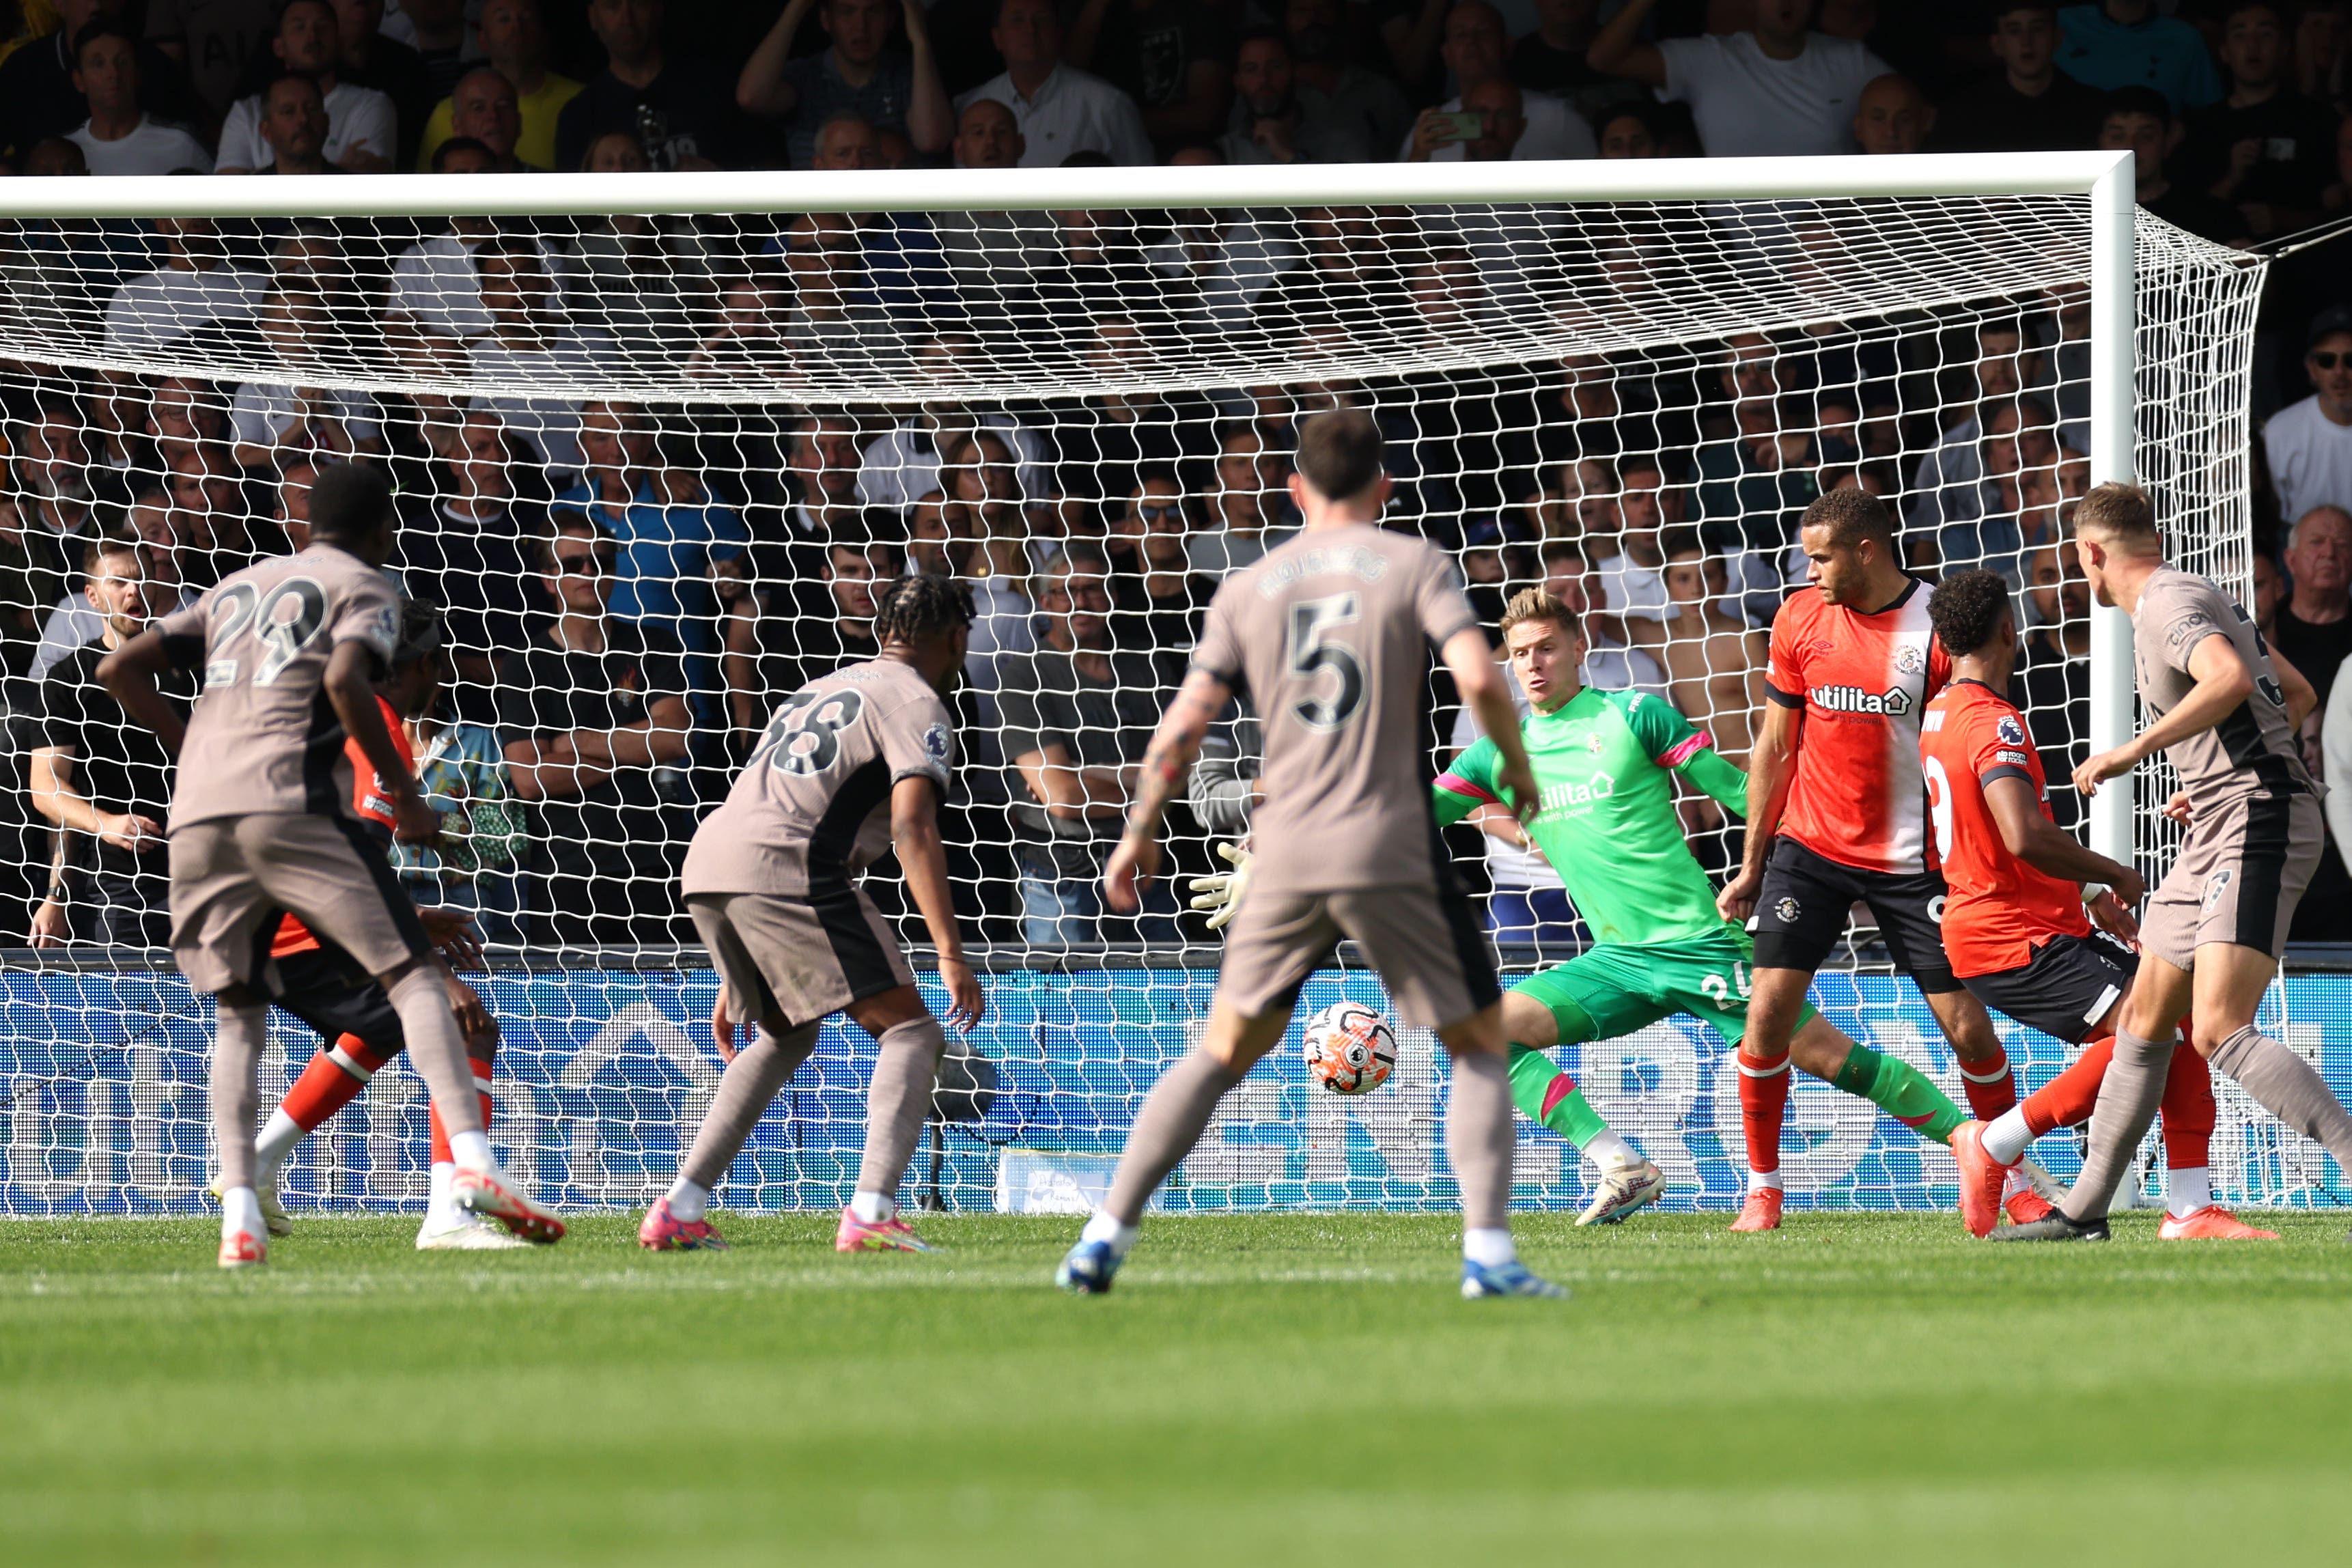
(361, 125)
(901, 465)
(119, 137)
(527, 346)
(270, 421)
(294, 128)
(1778, 90)
(1057, 109)
(434, 292)
(1476, 50)
(194, 288)
(2309, 444)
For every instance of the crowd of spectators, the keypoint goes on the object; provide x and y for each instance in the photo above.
(630, 585)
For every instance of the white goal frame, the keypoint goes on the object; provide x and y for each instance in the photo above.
(2107, 178)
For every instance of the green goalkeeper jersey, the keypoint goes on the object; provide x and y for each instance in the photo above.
(1609, 824)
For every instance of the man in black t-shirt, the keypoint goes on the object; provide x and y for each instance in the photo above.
(102, 779)
(2139, 121)
(2026, 104)
(2265, 149)
(681, 109)
(466, 544)
(1173, 58)
(795, 652)
(592, 712)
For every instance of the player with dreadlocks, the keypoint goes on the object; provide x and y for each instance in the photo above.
(852, 764)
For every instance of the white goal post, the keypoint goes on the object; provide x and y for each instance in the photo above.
(1541, 340)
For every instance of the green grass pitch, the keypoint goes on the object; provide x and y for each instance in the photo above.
(1291, 1389)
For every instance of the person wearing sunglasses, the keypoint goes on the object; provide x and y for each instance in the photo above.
(2309, 444)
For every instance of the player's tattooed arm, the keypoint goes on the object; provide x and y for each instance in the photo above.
(1167, 762)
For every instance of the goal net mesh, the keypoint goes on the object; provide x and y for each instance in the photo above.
(649, 468)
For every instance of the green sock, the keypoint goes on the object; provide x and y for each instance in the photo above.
(1565, 1111)
(1901, 1091)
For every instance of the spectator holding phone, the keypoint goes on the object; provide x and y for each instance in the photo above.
(1476, 50)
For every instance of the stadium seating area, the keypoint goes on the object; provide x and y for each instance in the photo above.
(675, 566)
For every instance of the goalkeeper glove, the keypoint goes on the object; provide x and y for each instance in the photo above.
(1220, 895)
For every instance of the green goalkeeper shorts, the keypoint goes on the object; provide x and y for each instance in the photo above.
(1614, 990)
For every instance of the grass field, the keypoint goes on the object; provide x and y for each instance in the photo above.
(1298, 1389)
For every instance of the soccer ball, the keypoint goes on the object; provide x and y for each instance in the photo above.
(1350, 1049)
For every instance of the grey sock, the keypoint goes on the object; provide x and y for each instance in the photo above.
(2128, 1097)
(899, 1100)
(239, 1036)
(1478, 1138)
(1173, 1117)
(436, 1047)
(751, 1084)
(2283, 1084)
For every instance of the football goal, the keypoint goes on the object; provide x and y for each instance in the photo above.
(657, 437)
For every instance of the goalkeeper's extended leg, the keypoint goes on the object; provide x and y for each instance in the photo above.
(678, 1221)
(1892, 1084)
(1535, 1017)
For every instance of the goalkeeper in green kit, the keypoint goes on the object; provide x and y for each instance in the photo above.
(1609, 828)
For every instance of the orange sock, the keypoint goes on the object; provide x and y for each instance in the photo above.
(1763, 1106)
(2066, 1100)
(1991, 1087)
(441, 1156)
(2189, 1109)
(332, 1081)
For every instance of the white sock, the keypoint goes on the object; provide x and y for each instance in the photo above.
(688, 1201)
(1763, 1181)
(472, 1151)
(1104, 1226)
(280, 1137)
(2187, 1189)
(1610, 1151)
(438, 1206)
(872, 1208)
(1490, 1248)
(240, 1210)
(2007, 1137)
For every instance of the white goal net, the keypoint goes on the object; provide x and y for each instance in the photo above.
(650, 465)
